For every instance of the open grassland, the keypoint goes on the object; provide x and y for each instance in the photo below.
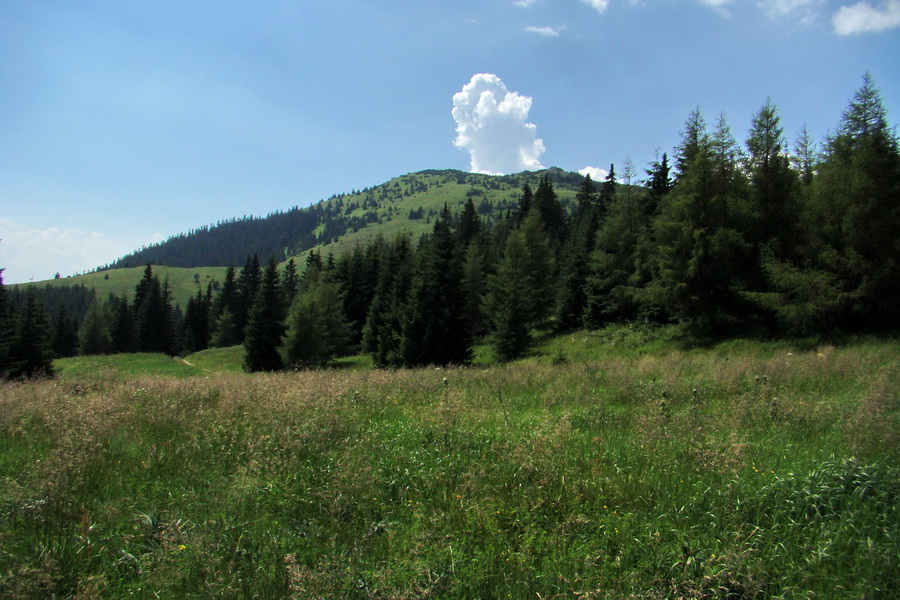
(183, 283)
(615, 466)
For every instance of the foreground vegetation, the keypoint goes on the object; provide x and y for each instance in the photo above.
(612, 465)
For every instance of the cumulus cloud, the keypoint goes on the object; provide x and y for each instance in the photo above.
(599, 5)
(30, 253)
(492, 125)
(546, 31)
(596, 173)
(862, 17)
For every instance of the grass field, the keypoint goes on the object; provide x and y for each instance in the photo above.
(184, 283)
(615, 464)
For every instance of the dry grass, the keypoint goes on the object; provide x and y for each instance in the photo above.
(668, 474)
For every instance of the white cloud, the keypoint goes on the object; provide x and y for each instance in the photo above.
(720, 6)
(546, 31)
(29, 253)
(596, 173)
(804, 10)
(492, 125)
(599, 5)
(524, 3)
(862, 17)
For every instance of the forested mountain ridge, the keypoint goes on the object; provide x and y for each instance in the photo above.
(408, 202)
(728, 238)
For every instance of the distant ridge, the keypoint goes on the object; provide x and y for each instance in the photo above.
(406, 202)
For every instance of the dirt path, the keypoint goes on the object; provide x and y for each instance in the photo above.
(190, 364)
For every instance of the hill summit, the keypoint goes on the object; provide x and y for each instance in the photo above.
(408, 202)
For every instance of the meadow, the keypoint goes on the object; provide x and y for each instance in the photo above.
(612, 464)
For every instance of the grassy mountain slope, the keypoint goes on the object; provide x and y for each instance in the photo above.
(340, 222)
(121, 282)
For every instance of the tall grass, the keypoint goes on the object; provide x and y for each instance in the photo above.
(669, 473)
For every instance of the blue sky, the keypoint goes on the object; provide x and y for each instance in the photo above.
(122, 123)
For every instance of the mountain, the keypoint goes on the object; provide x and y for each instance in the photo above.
(191, 260)
(408, 202)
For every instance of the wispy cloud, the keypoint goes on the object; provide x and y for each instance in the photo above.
(802, 10)
(492, 125)
(720, 6)
(32, 253)
(546, 30)
(862, 17)
(524, 3)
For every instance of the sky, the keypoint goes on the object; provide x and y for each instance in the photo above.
(123, 123)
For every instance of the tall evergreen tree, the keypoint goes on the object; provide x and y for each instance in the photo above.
(122, 328)
(248, 283)
(511, 311)
(525, 203)
(571, 294)
(852, 225)
(94, 335)
(552, 214)
(316, 330)
(6, 329)
(701, 252)
(65, 336)
(265, 326)
(195, 330)
(30, 353)
(436, 328)
(382, 333)
(469, 224)
(290, 281)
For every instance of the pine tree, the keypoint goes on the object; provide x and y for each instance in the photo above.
(852, 225)
(469, 224)
(94, 336)
(65, 337)
(510, 308)
(317, 330)
(122, 329)
(436, 329)
(290, 281)
(382, 331)
(6, 329)
(701, 252)
(553, 217)
(575, 269)
(30, 353)
(525, 203)
(247, 286)
(195, 330)
(265, 326)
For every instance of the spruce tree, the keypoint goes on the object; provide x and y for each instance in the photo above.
(247, 286)
(65, 337)
(510, 307)
(575, 263)
(6, 329)
(382, 331)
(553, 217)
(316, 329)
(436, 328)
(30, 353)
(849, 275)
(265, 325)
(94, 336)
(122, 329)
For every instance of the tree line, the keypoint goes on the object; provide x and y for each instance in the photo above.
(724, 238)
